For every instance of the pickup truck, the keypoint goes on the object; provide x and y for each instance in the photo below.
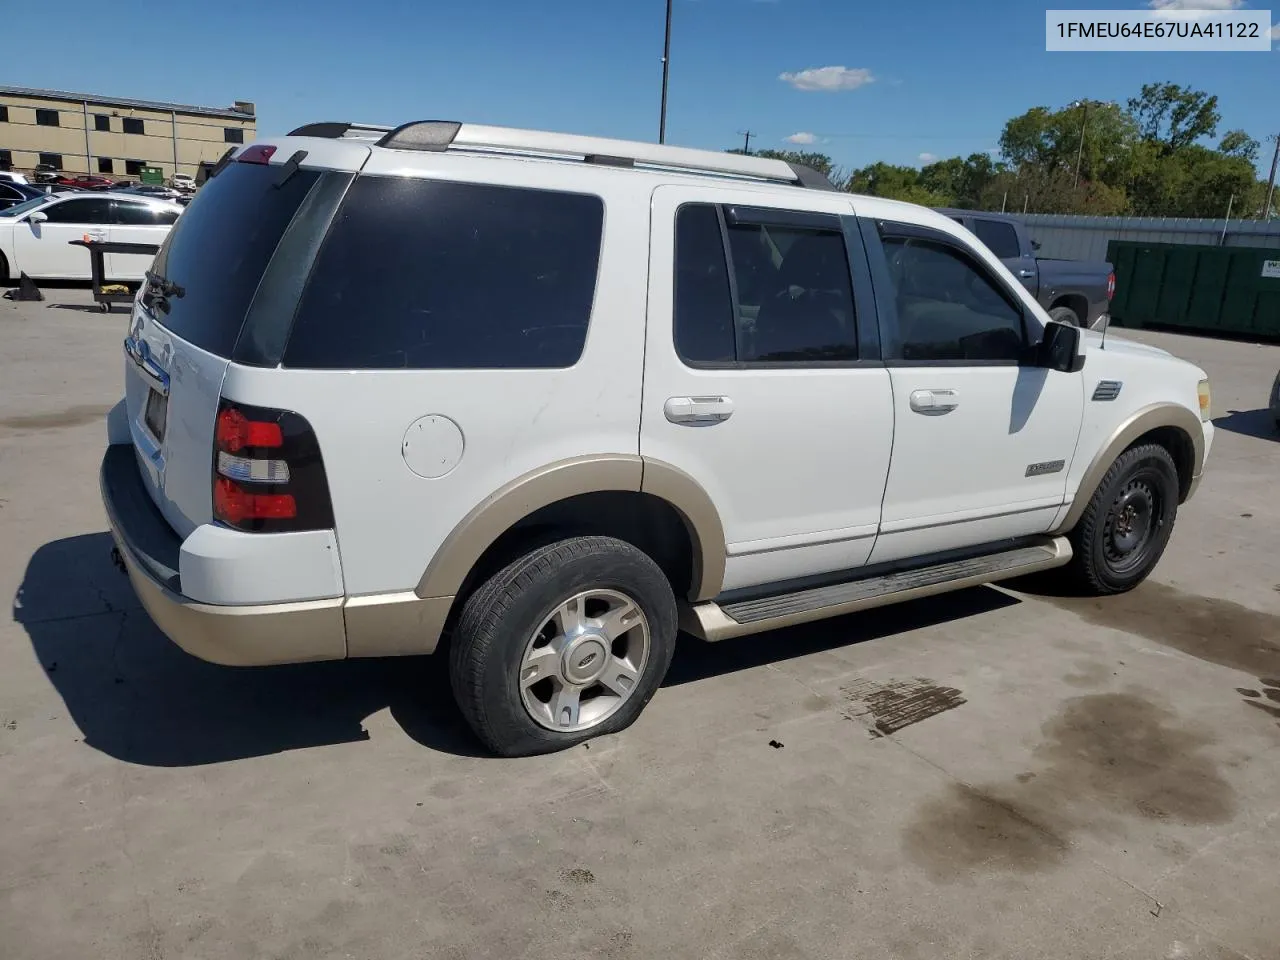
(1077, 292)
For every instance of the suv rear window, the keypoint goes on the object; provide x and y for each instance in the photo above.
(428, 274)
(220, 246)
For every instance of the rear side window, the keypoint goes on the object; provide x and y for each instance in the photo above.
(220, 246)
(1000, 238)
(425, 274)
(91, 210)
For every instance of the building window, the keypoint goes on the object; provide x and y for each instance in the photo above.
(232, 135)
(133, 125)
(51, 160)
(101, 122)
(4, 113)
(105, 165)
(134, 167)
(6, 159)
(47, 118)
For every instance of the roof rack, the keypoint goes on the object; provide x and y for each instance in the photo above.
(339, 130)
(442, 135)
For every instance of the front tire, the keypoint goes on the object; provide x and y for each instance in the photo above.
(1128, 522)
(1065, 315)
(566, 643)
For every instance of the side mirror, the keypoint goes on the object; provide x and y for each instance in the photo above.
(36, 216)
(1060, 348)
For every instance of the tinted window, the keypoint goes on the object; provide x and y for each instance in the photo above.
(232, 135)
(1000, 238)
(101, 121)
(220, 247)
(948, 307)
(47, 118)
(81, 210)
(8, 193)
(139, 214)
(132, 125)
(795, 300)
(703, 314)
(424, 274)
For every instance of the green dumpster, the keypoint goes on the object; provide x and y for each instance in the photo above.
(1214, 289)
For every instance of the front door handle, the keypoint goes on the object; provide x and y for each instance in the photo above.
(934, 402)
(1026, 274)
(698, 411)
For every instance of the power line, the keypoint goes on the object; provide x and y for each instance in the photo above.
(746, 139)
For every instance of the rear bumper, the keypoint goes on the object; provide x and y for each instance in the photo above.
(252, 635)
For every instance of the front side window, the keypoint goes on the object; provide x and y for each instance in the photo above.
(91, 210)
(425, 274)
(143, 215)
(46, 118)
(794, 298)
(949, 308)
(1000, 237)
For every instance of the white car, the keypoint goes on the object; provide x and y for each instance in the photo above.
(8, 176)
(553, 397)
(181, 181)
(35, 236)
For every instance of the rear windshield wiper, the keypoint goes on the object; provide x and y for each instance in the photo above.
(163, 287)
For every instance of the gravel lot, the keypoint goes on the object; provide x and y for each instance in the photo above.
(988, 774)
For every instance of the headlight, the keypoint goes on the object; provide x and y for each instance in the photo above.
(1202, 389)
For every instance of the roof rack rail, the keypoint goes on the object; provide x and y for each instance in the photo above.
(442, 135)
(339, 130)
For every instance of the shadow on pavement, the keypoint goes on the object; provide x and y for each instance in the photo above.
(1259, 423)
(139, 698)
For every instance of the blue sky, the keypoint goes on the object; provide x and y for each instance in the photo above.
(904, 79)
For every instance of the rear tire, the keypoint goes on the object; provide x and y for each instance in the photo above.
(4, 269)
(1065, 315)
(1128, 522)
(566, 643)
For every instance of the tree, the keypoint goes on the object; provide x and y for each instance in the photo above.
(895, 183)
(1174, 116)
(1051, 140)
(817, 161)
(961, 181)
(1237, 143)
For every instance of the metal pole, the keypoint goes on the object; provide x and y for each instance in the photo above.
(1026, 199)
(173, 115)
(666, 64)
(1004, 200)
(1271, 181)
(88, 166)
(1223, 239)
(1080, 153)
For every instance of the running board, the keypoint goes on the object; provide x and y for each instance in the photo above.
(710, 621)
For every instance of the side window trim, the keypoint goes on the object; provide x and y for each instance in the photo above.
(866, 335)
(874, 231)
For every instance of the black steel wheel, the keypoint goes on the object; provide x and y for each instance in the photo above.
(1128, 522)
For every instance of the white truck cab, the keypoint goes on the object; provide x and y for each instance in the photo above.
(556, 397)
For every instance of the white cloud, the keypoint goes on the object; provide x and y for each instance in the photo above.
(927, 158)
(828, 79)
(1275, 32)
(801, 138)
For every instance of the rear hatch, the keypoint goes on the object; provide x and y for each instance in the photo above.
(189, 322)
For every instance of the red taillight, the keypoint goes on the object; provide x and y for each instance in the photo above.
(258, 153)
(268, 475)
(236, 431)
(1111, 285)
(235, 505)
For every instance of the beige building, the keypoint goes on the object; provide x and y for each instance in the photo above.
(80, 133)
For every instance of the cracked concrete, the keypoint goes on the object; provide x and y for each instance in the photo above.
(1059, 779)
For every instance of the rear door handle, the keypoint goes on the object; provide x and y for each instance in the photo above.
(698, 411)
(934, 402)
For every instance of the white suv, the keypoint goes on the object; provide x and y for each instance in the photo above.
(554, 398)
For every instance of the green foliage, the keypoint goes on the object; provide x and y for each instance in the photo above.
(1145, 158)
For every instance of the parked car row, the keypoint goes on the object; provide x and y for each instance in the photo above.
(36, 233)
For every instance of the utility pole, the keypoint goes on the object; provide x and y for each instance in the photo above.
(1080, 153)
(746, 141)
(666, 64)
(1271, 182)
